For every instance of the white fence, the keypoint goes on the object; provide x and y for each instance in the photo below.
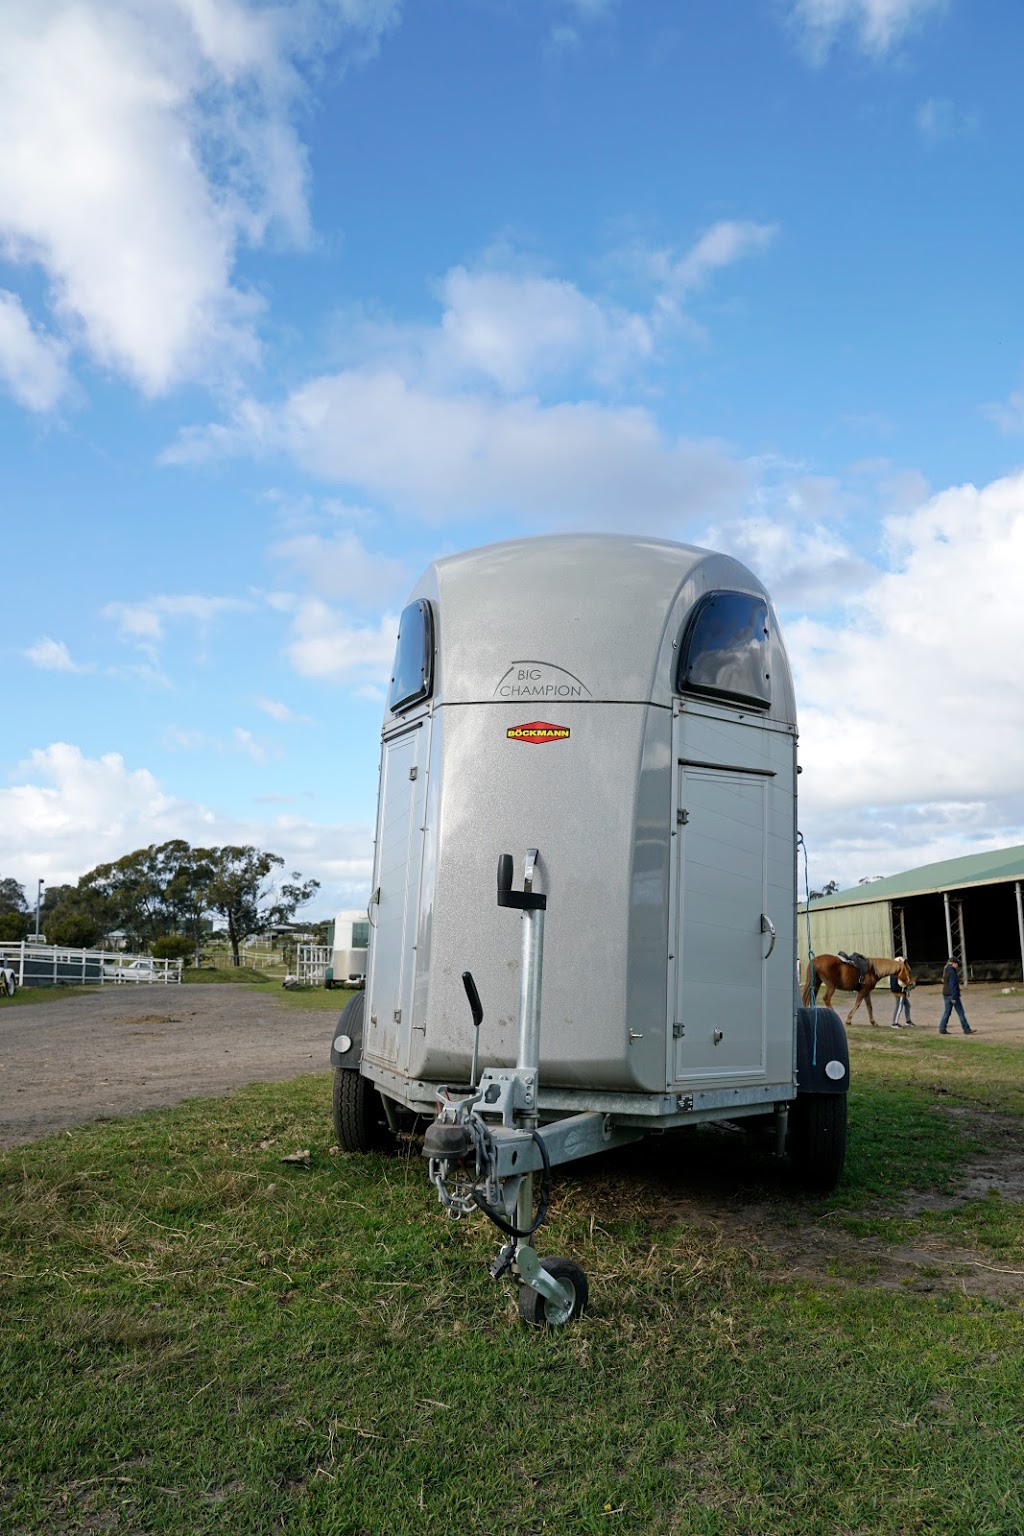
(311, 962)
(50, 965)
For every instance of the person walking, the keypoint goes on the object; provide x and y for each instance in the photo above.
(902, 995)
(951, 992)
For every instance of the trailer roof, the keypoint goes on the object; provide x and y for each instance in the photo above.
(603, 610)
(992, 867)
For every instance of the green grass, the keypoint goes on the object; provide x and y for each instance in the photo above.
(317, 999)
(207, 976)
(197, 1337)
(26, 996)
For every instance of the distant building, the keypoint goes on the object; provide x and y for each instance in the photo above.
(969, 907)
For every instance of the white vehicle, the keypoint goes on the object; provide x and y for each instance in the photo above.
(619, 712)
(132, 970)
(348, 956)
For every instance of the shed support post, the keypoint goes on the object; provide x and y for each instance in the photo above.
(1020, 926)
(899, 932)
(949, 925)
(961, 932)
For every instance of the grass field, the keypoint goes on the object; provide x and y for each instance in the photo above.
(199, 1337)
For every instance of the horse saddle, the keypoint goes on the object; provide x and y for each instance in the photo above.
(861, 964)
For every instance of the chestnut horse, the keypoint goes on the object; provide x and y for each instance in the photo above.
(838, 976)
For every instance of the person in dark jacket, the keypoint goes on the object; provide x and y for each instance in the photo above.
(951, 992)
(902, 996)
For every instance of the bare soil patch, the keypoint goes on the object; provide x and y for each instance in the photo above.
(114, 1052)
(994, 1009)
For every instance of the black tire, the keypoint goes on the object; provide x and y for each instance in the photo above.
(817, 1139)
(535, 1309)
(360, 1124)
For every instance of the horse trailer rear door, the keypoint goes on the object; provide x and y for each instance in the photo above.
(395, 907)
(720, 1001)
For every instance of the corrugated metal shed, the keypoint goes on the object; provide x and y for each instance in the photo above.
(993, 867)
(971, 907)
(866, 928)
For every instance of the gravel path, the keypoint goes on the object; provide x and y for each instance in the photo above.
(120, 1050)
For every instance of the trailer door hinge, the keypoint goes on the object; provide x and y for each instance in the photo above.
(414, 773)
(682, 817)
(398, 1015)
(678, 1031)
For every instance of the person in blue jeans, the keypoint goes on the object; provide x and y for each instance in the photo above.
(902, 1003)
(951, 992)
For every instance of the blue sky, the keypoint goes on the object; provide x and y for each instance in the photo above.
(293, 299)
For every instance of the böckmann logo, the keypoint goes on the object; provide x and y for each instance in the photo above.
(538, 732)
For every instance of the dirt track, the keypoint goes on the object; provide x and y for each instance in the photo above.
(120, 1049)
(996, 1012)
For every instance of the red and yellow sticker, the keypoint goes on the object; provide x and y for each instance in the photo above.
(538, 732)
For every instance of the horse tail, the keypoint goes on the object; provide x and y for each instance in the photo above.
(805, 996)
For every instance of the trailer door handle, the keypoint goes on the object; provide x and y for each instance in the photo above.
(767, 926)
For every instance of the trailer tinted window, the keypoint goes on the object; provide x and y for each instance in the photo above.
(412, 674)
(725, 650)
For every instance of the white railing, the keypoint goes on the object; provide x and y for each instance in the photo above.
(311, 962)
(42, 965)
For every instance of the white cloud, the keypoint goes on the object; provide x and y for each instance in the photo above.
(524, 330)
(939, 120)
(519, 331)
(564, 37)
(445, 456)
(341, 567)
(146, 622)
(327, 645)
(145, 141)
(726, 242)
(245, 741)
(590, 10)
(32, 364)
(469, 416)
(69, 813)
(282, 713)
(1009, 416)
(878, 25)
(911, 710)
(52, 656)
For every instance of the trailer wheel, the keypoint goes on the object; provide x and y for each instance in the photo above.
(360, 1124)
(817, 1139)
(538, 1311)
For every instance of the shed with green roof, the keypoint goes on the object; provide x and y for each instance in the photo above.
(970, 907)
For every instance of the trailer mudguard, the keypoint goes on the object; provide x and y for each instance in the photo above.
(350, 1028)
(822, 1052)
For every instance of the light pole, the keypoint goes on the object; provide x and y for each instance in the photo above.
(39, 904)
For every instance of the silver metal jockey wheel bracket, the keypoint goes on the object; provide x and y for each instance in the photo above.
(484, 1128)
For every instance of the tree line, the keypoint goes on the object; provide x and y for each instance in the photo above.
(163, 899)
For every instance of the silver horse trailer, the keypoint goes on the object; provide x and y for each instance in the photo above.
(595, 736)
